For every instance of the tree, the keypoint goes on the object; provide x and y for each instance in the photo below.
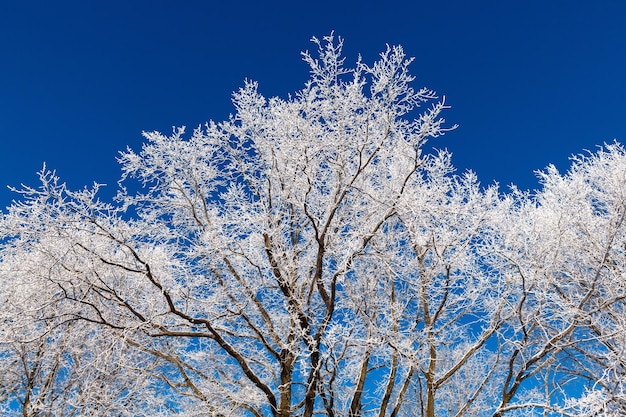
(579, 252)
(308, 257)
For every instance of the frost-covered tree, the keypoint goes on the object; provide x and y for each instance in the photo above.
(309, 257)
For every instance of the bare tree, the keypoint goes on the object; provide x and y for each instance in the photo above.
(307, 257)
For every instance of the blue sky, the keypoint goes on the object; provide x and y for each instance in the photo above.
(530, 82)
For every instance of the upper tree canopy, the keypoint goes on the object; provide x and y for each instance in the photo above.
(307, 257)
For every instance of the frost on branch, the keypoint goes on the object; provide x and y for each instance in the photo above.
(307, 257)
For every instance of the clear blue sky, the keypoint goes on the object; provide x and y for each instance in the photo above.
(530, 82)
